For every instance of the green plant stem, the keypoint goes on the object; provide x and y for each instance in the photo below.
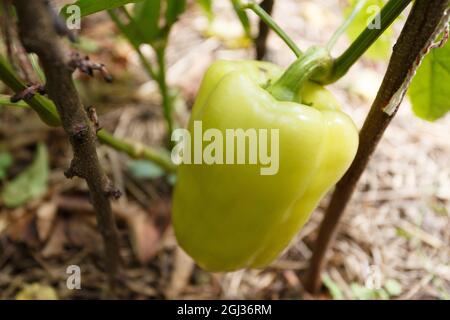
(147, 66)
(288, 87)
(126, 13)
(264, 16)
(36, 67)
(44, 108)
(162, 82)
(343, 63)
(5, 101)
(239, 9)
(338, 33)
(138, 151)
(48, 114)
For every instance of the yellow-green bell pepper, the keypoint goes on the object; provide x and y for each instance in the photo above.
(230, 216)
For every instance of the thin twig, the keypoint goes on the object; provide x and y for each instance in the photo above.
(38, 35)
(418, 34)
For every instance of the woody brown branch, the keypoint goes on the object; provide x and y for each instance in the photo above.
(37, 33)
(261, 40)
(417, 34)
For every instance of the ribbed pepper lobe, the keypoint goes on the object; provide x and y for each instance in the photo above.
(230, 216)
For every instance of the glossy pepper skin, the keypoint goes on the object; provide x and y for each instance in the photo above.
(229, 217)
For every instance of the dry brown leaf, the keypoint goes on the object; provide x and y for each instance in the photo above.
(291, 278)
(183, 267)
(23, 230)
(144, 237)
(56, 242)
(147, 227)
(45, 217)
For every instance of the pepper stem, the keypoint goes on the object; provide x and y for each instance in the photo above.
(386, 17)
(316, 61)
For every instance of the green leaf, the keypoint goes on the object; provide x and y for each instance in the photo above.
(393, 287)
(30, 184)
(332, 286)
(207, 6)
(173, 10)
(430, 90)
(5, 162)
(242, 15)
(88, 7)
(146, 19)
(381, 49)
(145, 169)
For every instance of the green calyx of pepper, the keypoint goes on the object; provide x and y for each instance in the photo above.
(316, 62)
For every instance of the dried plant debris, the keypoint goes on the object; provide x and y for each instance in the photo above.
(28, 93)
(85, 65)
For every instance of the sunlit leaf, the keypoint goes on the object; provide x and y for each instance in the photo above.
(430, 89)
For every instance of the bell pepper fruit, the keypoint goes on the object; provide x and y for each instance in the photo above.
(229, 217)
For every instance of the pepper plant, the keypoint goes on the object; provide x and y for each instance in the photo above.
(249, 218)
